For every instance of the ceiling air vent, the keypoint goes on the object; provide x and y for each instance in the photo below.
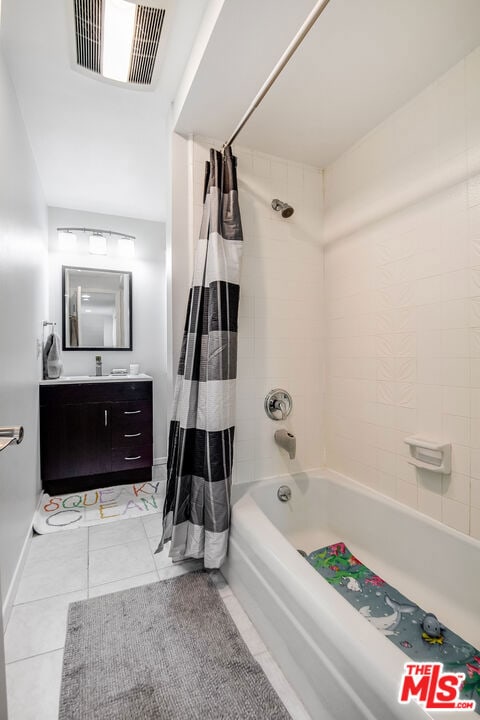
(148, 27)
(147, 23)
(88, 33)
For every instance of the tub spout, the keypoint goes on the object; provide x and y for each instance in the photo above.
(287, 441)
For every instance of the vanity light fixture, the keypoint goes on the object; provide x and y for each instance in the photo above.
(118, 32)
(67, 240)
(97, 241)
(97, 244)
(126, 247)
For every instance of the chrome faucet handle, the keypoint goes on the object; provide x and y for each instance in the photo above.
(278, 404)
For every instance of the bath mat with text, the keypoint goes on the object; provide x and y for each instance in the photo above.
(417, 632)
(98, 507)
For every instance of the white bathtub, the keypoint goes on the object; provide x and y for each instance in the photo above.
(339, 664)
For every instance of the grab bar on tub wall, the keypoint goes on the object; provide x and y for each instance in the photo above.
(9, 435)
(430, 455)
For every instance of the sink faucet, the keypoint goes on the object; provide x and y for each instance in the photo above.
(98, 365)
(287, 441)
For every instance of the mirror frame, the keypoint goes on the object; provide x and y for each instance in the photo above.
(125, 348)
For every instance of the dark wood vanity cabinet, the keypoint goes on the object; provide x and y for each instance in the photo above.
(95, 434)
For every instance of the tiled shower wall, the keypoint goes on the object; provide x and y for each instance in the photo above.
(402, 209)
(280, 321)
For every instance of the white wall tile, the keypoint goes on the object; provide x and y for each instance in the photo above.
(281, 311)
(475, 493)
(430, 495)
(475, 402)
(455, 371)
(475, 372)
(457, 487)
(456, 515)
(456, 401)
(455, 284)
(475, 522)
(475, 463)
(419, 250)
(456, 429)
(406, 493)
(461, 459)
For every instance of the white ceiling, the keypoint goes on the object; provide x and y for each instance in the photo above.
(103, 148)
(362, 60)
(98, 147)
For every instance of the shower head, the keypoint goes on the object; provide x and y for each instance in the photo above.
(286, 209)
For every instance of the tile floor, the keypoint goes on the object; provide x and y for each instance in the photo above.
(76, 565)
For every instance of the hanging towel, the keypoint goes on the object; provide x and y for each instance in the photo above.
(53, 355)
(46, 350)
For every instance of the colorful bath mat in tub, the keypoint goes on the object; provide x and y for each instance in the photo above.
(98, 507)
(417, 632)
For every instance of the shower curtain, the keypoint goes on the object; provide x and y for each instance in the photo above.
(196, 514)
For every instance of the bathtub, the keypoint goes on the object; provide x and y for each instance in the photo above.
(340, 665)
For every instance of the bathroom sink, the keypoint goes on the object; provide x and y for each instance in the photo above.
(71, 378)
(94, 378)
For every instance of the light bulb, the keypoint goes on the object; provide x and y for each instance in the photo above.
(97, 244)
(118, 31)
(126, 247)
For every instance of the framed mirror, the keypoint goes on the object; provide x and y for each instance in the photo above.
(97, 309)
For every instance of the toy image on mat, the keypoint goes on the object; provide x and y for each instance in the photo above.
(388, 625)
(432, 629)
(419, 634)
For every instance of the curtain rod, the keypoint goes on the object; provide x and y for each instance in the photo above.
(96, 231)
(294, 45)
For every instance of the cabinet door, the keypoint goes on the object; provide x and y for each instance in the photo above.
(79, 440)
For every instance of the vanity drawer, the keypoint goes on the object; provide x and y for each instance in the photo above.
(139, 433)
(134, 457)
(130, 417)
(117, 392)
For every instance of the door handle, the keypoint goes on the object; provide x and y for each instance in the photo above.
(131, 412)
(137, 457)
(106, 418)
(134, 435)
(9, 435)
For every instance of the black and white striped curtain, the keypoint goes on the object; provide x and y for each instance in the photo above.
(196, 514)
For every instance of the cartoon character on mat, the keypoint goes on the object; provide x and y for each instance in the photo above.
(389, 623)
(432, 630)
(352, 584)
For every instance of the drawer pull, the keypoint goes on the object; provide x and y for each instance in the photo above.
(134, 435)
(137, 457)
(131, 412)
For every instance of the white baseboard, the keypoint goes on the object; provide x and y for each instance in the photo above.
(160, 461)
(12, 590)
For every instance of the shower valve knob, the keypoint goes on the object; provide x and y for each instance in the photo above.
(278, 404)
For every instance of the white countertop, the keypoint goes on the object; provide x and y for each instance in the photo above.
(71, 379)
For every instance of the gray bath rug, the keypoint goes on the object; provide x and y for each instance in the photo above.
(166, 651)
